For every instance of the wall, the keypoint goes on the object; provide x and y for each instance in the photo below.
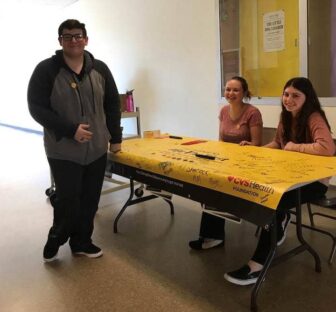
(26, 38)
(165, 50)
(319, 51)
(168, 51)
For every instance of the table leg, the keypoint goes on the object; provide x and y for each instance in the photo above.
(261, 278)
(115, 224)
(130, 201)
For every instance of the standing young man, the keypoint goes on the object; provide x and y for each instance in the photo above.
(74, 97)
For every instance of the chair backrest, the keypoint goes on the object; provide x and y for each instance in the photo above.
(328, 200)
(268, 135)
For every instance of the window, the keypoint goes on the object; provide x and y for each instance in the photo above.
(229, 40)
(259, 39)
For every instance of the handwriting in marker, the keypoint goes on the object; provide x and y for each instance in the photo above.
(205, 156)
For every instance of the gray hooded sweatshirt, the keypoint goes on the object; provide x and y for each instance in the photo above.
(60, 100)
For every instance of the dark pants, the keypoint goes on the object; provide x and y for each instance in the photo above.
(212, 226)
(288, 201)
(78, 191)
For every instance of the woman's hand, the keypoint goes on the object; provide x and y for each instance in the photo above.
(290, 146)
(245, 143)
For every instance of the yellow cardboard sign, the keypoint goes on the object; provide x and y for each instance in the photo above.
(257, 174)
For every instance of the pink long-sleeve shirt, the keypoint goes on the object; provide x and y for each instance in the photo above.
(320, 141)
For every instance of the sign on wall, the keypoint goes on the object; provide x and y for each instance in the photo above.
(274, 31)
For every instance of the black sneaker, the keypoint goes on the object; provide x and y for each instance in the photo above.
(283, 229)
(50, 250)
(206, 243)
(89, 250)
(243, 276)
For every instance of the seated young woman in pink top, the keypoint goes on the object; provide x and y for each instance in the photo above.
(240, 123)
(303, 128)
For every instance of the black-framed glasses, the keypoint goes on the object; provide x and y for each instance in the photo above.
(68, 37)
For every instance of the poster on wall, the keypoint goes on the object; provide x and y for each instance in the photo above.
(274, 31)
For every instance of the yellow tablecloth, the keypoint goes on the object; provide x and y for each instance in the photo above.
(257, 174)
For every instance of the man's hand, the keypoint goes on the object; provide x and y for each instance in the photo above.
(82, 134)
(115, 148)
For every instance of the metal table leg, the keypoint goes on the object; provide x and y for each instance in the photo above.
(130, 201)
(261, 278)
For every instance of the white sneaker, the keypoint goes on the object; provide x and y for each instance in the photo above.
(205, 243)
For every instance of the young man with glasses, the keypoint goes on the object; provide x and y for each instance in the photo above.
(75, 98)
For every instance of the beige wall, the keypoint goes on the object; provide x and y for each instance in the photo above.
(165, 50)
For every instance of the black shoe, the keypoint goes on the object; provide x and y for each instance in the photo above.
(90, 250)
(243, 276)
(283, 229)
(206, 243)
(50, 250)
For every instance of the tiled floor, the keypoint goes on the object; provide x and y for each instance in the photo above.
(147, 266)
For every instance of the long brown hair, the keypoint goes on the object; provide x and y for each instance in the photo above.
(311, 105)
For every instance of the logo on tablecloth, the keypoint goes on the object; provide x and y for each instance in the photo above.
(251, 187)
